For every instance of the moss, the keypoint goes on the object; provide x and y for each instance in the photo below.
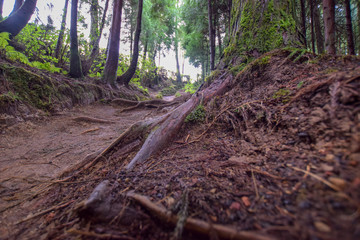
(159, 95)
(177, 94)
(198, 115)
(169, 91)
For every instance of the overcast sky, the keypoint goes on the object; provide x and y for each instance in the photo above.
(167, 62)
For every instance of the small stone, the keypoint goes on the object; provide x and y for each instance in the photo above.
(235, 206)
(213, 190)
(246, 201)
(355, 157)
(329, 158)
(213, 218)
(322, 227)
(326, 168)
(170, 201)
(339, 182)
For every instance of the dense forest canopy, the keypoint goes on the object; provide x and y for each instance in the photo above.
(205, 31)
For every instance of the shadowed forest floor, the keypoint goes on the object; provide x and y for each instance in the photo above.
(277, 156)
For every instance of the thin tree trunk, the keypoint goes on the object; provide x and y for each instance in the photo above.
(17, 21)
(350, 36)
(94, 27)
(1, 9)
(17, 5)
(358, 19)
(145, 47)
(131, 33)
(178, 76)
(311, 4)
(329, 23)
(219, 37)
(303, 22)
(95, 45)
(211, 36)
(112, 60)
(62, 32)
(126, 77)
(75, 63)
(318, 32)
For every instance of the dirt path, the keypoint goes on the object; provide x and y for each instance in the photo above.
(32, 153)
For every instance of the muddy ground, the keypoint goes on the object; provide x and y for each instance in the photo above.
(276, 157)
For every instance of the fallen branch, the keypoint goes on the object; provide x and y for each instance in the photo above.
(97, 235)
(196, 225)
(45, 211)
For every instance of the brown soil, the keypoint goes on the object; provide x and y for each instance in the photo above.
(278, 155)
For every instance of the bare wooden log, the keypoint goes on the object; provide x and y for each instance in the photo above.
(196, 225)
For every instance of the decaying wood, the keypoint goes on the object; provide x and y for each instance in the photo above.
(196, 225)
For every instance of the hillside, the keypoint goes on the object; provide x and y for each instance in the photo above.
(275, 156)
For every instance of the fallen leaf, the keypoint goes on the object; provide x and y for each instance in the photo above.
(213, 190)
(213, 218)
(339, 182)
(326, 168)
(246, 201)
(322, 227)
(235, 206)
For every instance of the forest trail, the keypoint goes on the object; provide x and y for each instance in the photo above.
(37, 152)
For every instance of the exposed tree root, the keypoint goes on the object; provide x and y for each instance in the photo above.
(92, 120)
(196, 225)
(154, 103)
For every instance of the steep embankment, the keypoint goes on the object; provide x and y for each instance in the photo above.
(28, 93)
(277, 156)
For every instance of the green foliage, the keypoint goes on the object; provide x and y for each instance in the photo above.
(177, 94)
(283, 94)
(191, 87)
(40, 42)
(159, 95)
(46, 66)
(168, 91)
(197, 115)
(9, 51)
(300, 84)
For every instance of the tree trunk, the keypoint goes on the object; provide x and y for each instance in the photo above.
(145, 47)
(211, 36)
(75, 63)
(219, 37)
(126, 77)
(350, 36)
(95, 45)
(94, 26)
(112, 60)
(358, 18)
(318, 32)
(62, 32)
(311, 4)
(329, 24)
(1, 9)
(17, 21)
(178, 75)
(303, 22)
(17, 6)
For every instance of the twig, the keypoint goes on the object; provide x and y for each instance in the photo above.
(45, 211)
(90, 130)
(266, 174)
(196, 225)
(255, 185)
(326, 182)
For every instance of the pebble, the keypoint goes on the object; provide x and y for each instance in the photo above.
(322, 227)
(339, 182)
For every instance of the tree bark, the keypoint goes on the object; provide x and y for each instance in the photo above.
(62, 32)
(311, 4)
(112, 60)
(329, 24)
(126, 77)
(303, 22)
(17, 6)
(211, 36)
(95, 45)
(318, 32)
(75, 63)
(350, 35)
(1, 9)
(17, 21)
